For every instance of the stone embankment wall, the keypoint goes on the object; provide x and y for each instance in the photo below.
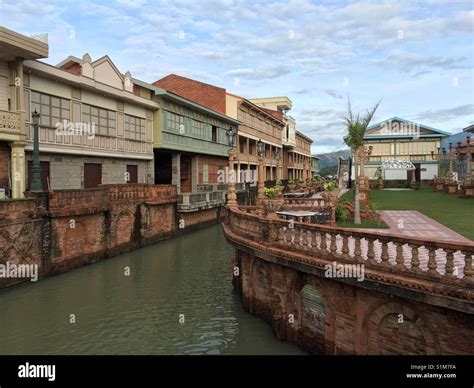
(61, 230)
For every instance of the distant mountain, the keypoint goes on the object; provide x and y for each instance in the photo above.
(331, 158)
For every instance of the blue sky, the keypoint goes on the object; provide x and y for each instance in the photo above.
(417, 56)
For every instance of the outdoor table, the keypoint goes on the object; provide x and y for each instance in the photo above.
(299, 215)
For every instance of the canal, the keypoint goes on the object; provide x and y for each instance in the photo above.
(177, 299)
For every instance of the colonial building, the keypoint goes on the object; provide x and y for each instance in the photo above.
(14, 107)
(398, 140)
(190, 148)
(93, 126)
(296, 146)
(257, 123)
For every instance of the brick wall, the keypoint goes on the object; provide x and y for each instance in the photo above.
(355, 320)
(61, 230)
(210, 96)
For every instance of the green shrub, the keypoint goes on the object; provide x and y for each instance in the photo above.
(332, 185)
(271, 192)
(279, 182)
(342, 214)
(374, 206)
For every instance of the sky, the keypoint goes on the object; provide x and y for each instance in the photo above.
(416, 56)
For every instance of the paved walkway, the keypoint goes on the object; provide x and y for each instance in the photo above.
(412, 223)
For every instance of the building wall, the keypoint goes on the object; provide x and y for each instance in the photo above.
(67, 171)
(207, 95)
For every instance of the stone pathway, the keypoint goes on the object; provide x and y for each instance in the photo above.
(412, 223)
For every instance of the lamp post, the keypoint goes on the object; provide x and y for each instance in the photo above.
(278, 157)
(231, 195)
(36, 184)
(261, 185)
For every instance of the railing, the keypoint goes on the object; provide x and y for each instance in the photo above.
(200, 200)
(10, 121)
(83, 201)
(386, 258)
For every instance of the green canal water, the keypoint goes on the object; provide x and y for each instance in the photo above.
(187, 277)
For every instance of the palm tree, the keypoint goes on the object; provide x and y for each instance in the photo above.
(356, 127)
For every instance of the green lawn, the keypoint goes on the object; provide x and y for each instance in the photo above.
(449, 210)
(373, 224)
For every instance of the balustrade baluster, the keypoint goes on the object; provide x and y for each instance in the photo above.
(284, 235)
(371, 251)
(345, 247)
(450, 269)
(468, 270)
(415, 261)
(303, 238)
(384, 255)
(432, 265)
(357, 249)
(310, 239)
(324, 245)
(399, 260)
(333, 247)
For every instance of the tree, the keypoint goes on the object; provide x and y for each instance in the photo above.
(356, 127)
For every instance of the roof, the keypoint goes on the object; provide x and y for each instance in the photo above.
(303, 135)
(70, 58)
(174, 97)
(437, 132)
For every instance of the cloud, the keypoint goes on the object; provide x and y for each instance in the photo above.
(418, 64)
(447, 114)
(333, 94)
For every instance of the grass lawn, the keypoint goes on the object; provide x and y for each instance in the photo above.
(449, 210)
(365, 224)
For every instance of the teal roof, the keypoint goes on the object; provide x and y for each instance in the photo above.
(395, 118)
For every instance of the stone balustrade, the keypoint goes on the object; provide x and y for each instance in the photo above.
(201, 200)
(392, 259)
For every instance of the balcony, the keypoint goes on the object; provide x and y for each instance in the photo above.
(190, 202)
(10, 123)
(207, 196)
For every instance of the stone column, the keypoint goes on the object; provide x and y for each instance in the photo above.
(18, 169)
(194, 173)
(176, 171)
(231, 196)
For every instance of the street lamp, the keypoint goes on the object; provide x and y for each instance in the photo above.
(278, 157)
(36, 184)
(261, 186)
(231, 195)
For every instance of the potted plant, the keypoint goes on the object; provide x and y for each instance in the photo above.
(330, 193)
(291, 184)
(272, 202)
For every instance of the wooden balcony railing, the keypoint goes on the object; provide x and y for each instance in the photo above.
(10, 122)
(417, 263)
